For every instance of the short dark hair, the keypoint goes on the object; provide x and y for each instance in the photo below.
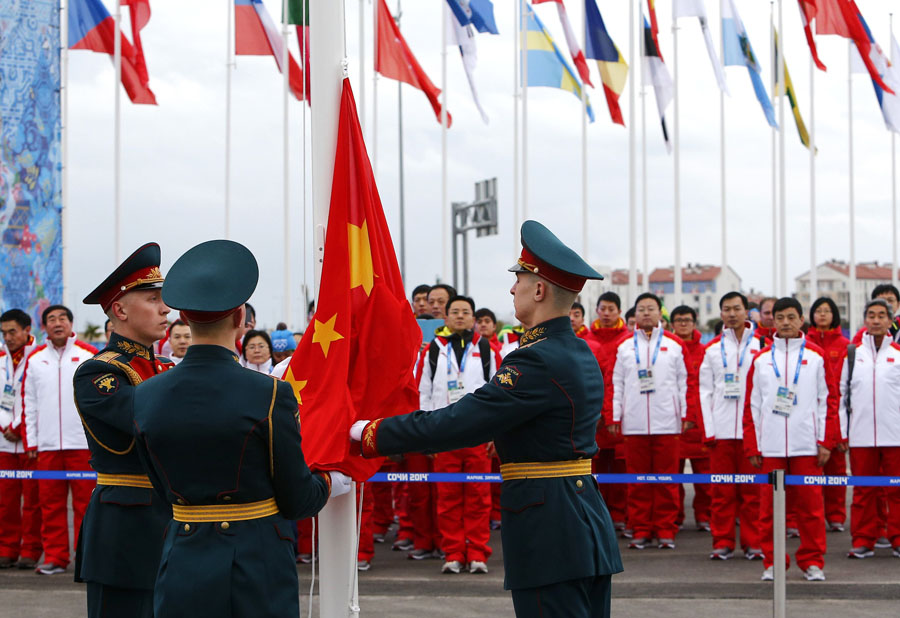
(629, 314)
(18, 316)
(683, 310)
(835, 314)
(731, 295)
(53, 308)
(451, 291)
(877, 302)
(767, 299)
(422, 288)
(610, 297)
(785, 303)
(459, 298)
(886, 288)
(177, 323)
(484, 312)
(578, 306)
(647, 295)
(251, 313)
(281, 326)
(250, 335)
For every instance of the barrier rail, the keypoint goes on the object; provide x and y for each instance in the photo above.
(489, 477)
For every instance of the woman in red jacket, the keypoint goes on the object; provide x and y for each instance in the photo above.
(825, 332)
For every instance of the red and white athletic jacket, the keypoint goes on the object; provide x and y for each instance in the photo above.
(723, 418)
(658, 412)
(875, 395)
(48, 401)
(12, 375)
(813, 418)
(433, 389)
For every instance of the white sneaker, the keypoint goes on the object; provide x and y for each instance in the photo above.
(768, 575)
(452, 566)
(477, 566)
(814, 574)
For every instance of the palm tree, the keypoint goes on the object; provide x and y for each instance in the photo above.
(91, 333)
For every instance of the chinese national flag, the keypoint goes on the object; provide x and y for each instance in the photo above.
(355, 360)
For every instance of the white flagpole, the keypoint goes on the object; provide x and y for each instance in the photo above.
(229, 66)
(517, 38)
(64, 144)
(851, 309)
(362, 64)
(286, 180)
(782, 210)
(376, 7)
(584, 119)
(337, 521)
(524, 35)
(445, 204)
(117, 137)
(813, 275)
(776, 72)
(632, 176)
(893, 179)
(644, 235)
(722, 148)
(676, 270)
(402, 187)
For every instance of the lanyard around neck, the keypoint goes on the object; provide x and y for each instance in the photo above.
(799, 361)
(637, 355)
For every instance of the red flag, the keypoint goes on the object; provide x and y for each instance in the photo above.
(355, 360)
(574, 48)
(395, 60)
(139, 12)
(807, 13)
(255, 34)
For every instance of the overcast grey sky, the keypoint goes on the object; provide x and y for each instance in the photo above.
(173, 154)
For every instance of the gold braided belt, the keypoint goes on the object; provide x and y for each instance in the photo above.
(124, 480)
(209, 513)
(545, 469)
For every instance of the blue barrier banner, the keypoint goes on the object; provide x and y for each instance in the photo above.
(448, 477)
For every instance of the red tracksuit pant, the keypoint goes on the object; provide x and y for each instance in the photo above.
(54, 497)
(652, 508)
(20, 511)
(865, 523)
(366, 540)
(614, 494)
(809, 513)
(836, 495)
(730, 502)
(383, 513)
(464, 509)
(420, 504)
(702, 494)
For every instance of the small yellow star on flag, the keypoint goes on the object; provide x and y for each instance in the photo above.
(324, 334)
(297, 385)
(361, 270)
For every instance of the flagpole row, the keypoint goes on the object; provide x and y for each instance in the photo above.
(375, 11)
(517, 39)
(286, 180)
(722, 148)
(644, 224)
(117, 135)
(584, 147)
(524, 34)
(776, 72)
(632, 185)
(782, 231)
(445, 205)
(813, 274)
(676, 270)
(402, 196)
(229, 65)
(64, 145)
(851, 314)
(893, 177)
(362, 65)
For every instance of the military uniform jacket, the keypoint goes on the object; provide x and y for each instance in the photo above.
(215, 433)
(542, 405)
(122, 532)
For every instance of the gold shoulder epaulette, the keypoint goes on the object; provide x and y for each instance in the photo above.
(107, 356)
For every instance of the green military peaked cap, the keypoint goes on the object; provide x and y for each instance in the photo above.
(139, 271)
(211, 280)
(546, 256)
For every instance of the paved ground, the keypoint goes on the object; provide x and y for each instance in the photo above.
(671, 584)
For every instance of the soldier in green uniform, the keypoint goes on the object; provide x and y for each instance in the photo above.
(541, 410)
(221, 443)
(122, 533)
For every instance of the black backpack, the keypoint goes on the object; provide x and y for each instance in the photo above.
(484, 348)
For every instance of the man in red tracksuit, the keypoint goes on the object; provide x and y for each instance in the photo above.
(607, 330)
(684, 321)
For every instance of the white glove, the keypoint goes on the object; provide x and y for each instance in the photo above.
(340, 484)
(356, 430)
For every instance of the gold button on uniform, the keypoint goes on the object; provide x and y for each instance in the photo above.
(225, 525)
(187, 527)
(226, 498)
(579, 483)
(180, 501)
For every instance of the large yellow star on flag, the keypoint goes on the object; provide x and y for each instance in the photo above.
(324, 334)
(361, 271)
(297, 385)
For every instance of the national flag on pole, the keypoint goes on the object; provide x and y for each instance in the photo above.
(613, 68)
(656, 74)
(807, 29)
(139, 12)
(788, 87)
(843, 18)
(255, 34)
(463, 37)
(889, 75)
(654, 24)
(395, 60)
(298, 15)
(696, 8)
(571, 41)
(738, 51)
(546, 64)
(91, 27)
(478, 13)
(355, 361)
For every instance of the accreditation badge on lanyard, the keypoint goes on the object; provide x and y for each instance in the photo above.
(455, 388)
(8, 400)
(645, 376)
(785, 397)
(732, 378)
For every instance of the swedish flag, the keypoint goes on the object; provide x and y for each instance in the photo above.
(546, 64)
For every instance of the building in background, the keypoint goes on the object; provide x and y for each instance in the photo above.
(833, 281)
